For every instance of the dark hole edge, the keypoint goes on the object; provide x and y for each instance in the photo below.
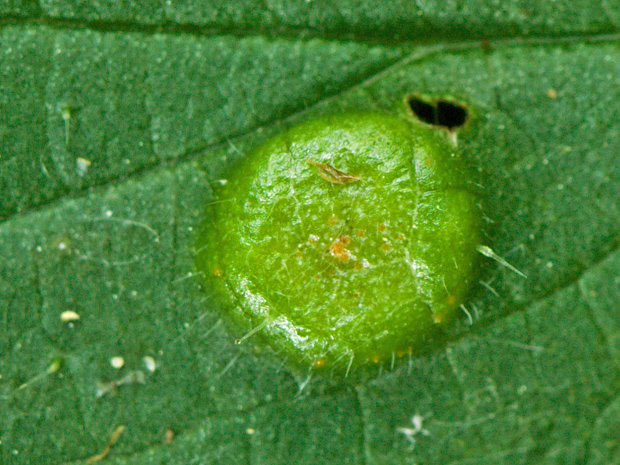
(443, 113)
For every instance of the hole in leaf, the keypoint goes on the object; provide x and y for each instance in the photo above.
(425, 111)
(442, 113)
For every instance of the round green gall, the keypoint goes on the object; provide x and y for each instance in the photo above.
(346, 239)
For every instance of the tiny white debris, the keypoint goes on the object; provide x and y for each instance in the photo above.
(410, 433)
(65, 112)
(117, 362)
(55, 365)
(109, 213)
(453, 137)
(149, 363)
(133, 377)
(82, 165)
(69, 316)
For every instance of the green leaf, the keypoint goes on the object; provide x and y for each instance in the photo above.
(116, 120)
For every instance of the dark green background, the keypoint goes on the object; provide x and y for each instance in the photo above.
(161, 97)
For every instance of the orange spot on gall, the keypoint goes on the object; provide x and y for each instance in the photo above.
(338, 248)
